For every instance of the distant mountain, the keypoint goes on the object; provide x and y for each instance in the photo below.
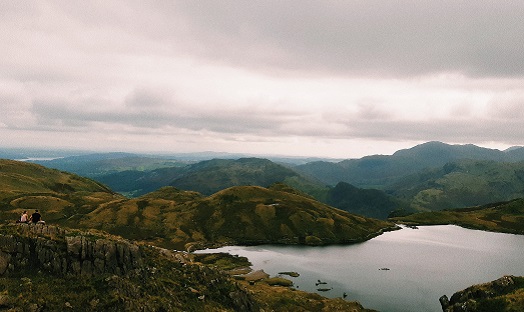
(134, 183)
(210, 176)
(430, 176)
(93, 165)
(461, 184)
(35, 153)
(380, 171)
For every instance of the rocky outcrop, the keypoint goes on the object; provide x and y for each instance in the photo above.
(51, 249)
(480, 297)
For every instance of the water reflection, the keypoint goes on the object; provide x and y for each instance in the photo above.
(405, 270)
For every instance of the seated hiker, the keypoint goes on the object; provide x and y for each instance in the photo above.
(36, 217)
(24, 218)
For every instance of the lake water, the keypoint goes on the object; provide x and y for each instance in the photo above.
(423, 264)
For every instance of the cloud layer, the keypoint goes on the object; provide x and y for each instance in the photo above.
(330, 78)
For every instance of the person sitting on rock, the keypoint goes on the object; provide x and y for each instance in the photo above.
(24, 218)
(36, 218)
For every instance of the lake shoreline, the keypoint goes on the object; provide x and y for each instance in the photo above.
(422, 265)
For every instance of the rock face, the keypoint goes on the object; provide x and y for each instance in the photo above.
(51, 249)
(487, 297)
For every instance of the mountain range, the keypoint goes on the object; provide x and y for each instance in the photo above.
(381, 171)
(430, 176)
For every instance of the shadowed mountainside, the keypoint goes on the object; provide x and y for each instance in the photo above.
(211, 176)
(367, 202)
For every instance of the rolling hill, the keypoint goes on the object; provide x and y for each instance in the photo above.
(430, 176)
(173, 218)
(244, 215)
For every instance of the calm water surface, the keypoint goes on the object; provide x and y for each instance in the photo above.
(423, 264)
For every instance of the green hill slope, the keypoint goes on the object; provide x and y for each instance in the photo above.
(59, 195)
(209, 177)
(238, 215)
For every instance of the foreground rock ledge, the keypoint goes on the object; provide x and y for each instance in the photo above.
(57, 251)
(503, 294)
(46, 268)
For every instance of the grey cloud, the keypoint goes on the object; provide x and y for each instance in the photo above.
(447, 130)
(353, 38)
(368, 109)
(509, 106)
(150, 110)
(391, 38)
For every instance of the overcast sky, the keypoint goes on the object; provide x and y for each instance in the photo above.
(316, 78)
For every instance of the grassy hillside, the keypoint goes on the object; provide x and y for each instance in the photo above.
(212, 176)
(505, 217)
(59, 195)
(238, 215)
